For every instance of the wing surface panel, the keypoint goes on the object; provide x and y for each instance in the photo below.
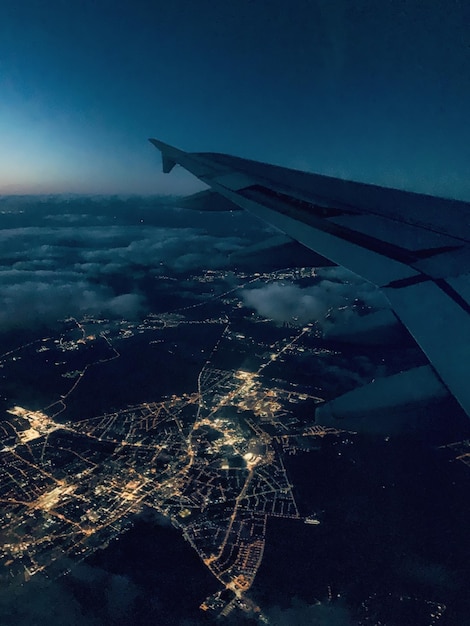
(443, 215)
(461, 284)
(411, 238)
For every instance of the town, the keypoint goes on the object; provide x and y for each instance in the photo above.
(211, 461)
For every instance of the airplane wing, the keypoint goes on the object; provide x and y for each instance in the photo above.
(415, 247)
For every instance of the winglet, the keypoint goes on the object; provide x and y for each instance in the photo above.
(170, 155)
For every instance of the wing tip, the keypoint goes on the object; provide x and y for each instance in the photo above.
(168, 160)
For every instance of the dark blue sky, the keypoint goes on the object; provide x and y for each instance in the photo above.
(375, 91)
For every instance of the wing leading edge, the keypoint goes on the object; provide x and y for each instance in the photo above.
(415, 247)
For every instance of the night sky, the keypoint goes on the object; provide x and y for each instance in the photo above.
(374, 91)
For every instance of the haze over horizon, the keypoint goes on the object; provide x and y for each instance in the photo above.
(366, 91)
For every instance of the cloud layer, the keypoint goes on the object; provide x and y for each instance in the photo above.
(93, 265)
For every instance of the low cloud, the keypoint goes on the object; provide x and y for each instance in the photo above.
(117, 593)
(30, 303)
(335, 300)
(41, 602)
(287, 303)
(302, 614)
(111, 599)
